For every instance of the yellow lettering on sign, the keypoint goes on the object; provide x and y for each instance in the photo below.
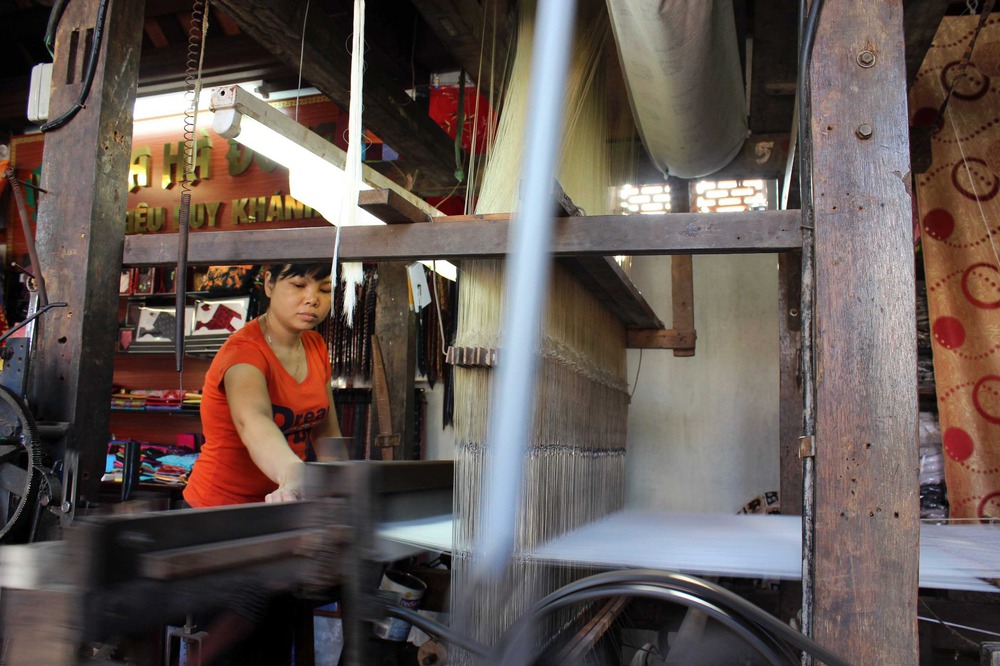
(293, 208)
(173, 162)
(238, 157)
(275, 209)
(239, 214)
(140, 168)
(212, 211)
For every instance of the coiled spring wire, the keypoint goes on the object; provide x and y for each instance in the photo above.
(192, 84)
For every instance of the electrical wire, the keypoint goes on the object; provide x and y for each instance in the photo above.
(88, 80)
(55, 15)
(302, 55)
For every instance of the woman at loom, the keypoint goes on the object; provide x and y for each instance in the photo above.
(267, 396)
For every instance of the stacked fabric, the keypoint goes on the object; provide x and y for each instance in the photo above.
(164, 400)
(191, 401)
(159, 462)
(130, 400)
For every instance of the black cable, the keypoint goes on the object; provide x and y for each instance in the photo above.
(88, 81)
(515, 647)
(696, 587)
(55, 15)
(437, 629)
(40, 311)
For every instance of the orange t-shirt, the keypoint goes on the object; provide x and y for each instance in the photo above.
(224, 472)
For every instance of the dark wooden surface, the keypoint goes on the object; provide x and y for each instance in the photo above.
(390, 207)
(660, 339)
(485, 236)
(608, 282)
(790, 381)
(682, 299)
(867, 504)
(80, 234)
(396, 328)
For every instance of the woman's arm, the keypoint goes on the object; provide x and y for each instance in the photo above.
(250, 406)
(330, 427)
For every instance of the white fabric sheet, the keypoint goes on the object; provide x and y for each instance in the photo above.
(957, 557)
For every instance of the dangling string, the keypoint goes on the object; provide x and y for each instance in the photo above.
(352, 273)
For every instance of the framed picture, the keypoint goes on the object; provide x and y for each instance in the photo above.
(220, 315)
(132, 314)
(144, 281)
(159, 324)
(125, 281)
(126, 334)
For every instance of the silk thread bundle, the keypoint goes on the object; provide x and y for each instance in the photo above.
(575, 466)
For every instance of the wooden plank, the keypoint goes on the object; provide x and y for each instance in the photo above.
(867, 526)
(390, 207)
(80, 234)
(396, 330)
(389, 111)
(660, 339)
(613, 288)
(682, 301)
(790, 381)
(484, 236)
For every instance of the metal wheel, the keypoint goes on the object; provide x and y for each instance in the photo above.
(20, 459)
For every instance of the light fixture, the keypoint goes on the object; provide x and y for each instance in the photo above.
(316, 174)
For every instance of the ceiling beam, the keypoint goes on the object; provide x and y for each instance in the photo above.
(475, 34)
(424, 148)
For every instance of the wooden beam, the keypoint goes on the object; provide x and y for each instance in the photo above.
(484, 236)
(866, 487)
(389, 111)
(80, 233)
(476, 35)
(613, 289)
(660, 339)
(682, 299)
(390, 207)
(790, 397)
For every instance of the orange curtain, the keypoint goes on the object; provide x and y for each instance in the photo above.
(958, 200)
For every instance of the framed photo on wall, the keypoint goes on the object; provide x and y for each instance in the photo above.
(144, 280)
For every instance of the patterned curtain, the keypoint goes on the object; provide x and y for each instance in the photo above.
(959, 215)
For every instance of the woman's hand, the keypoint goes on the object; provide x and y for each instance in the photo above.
(289, 484)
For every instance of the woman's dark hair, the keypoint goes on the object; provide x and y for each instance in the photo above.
(317, 271)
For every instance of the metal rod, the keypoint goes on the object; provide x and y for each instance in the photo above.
(29, 235)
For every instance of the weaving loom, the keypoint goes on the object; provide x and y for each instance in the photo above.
(574, 468)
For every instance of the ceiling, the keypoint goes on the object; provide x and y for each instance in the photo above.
(409, 40)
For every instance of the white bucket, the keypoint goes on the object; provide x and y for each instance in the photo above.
(407, 590)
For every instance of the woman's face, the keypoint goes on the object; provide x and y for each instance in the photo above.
(299, 302)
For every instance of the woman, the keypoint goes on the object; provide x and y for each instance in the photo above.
(267, 395)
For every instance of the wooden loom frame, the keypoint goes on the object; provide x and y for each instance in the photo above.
(867, 529)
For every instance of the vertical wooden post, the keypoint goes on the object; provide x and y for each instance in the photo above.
(790, 381)
(396, 328)
(681, 269)
(867, 506)
(81, 228)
